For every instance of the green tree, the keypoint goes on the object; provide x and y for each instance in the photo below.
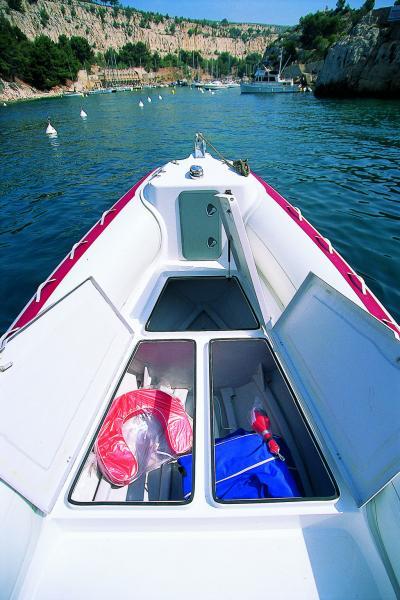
(156, 61)
(290, 49)
(16, 5)
(368, 5)
(14, 51)
(322, 24)
(48, 64)
(131, 54)
(81, 49)
(44, 17)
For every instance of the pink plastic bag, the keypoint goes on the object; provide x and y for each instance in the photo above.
(142, 429)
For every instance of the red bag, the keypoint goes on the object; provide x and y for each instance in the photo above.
(116, 461)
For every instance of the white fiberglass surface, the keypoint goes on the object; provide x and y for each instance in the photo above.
(62, 366)
(345, 366)
(317, 562)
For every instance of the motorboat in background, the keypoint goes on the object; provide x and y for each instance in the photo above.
(100, 91)
(216, 85)
(202, 304)
(269, 80)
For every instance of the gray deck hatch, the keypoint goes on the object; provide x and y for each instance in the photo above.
(200, 225)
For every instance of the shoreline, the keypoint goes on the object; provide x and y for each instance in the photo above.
(30, 98)
(19, 91)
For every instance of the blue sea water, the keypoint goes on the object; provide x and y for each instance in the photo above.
(337, 160)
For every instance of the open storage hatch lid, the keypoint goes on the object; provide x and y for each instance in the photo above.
(63, 362)
(345, 367)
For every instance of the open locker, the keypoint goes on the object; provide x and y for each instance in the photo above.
(149, 424)
(246, 381)
(344, 371)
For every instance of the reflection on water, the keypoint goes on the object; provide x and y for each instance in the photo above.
(336, 160)
(54, 141)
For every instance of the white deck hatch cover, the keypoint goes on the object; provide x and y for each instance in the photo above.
(63, 364)
(345, 366)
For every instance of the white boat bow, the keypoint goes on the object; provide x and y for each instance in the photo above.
(211, 288)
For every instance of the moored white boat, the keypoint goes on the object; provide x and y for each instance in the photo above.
(268, 81)
(208, 287)
(216, 85)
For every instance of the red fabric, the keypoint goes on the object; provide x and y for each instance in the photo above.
(371, 303)
(32, 308)
(116, 461)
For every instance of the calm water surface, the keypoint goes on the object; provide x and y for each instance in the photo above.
(339, 161)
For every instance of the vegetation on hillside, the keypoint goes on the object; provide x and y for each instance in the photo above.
(148, 18)
(45, 64)
(41, 63)
(316, 32)
(135, 55)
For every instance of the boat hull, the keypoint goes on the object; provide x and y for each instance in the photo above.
(119, 269)
(268, 88)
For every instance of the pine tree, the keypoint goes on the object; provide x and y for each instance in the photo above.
(368, 5)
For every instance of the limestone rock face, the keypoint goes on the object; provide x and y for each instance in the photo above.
(366, 62)
(105, 28)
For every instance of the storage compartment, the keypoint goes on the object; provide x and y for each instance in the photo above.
(202, 304)
(244, 377)
(148, 425)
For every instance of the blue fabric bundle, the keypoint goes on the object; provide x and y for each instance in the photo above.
(245, 470)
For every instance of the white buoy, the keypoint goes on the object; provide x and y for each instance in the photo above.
(83, 114)
(212, 93)
(4, 104)
(141, 104)
(159, 97)
(148, 99)
(50, 129)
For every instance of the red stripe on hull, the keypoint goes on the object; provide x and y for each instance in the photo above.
(33, 308)
(368, 299)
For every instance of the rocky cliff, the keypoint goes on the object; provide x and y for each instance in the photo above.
(112, 28)
(366, 62)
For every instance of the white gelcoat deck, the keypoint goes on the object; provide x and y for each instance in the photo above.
(305, 549)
